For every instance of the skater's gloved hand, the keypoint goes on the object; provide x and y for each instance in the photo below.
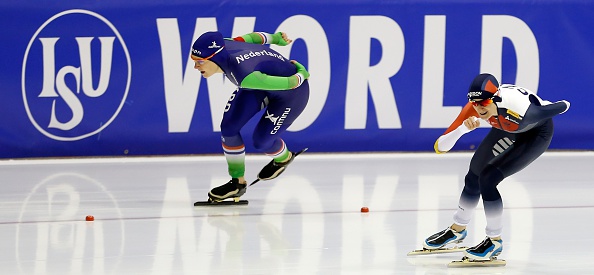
(281, 39)
(301, 69)
(297, 79)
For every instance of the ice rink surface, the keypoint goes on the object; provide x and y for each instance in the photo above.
(307, 221)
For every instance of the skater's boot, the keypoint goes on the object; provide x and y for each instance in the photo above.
(231, 189)
(486, 250)
(444, 237)
(273, 169)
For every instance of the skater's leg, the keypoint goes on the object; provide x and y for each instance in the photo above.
(488, 150)
(468, 201)
(278, 151)
(492, 245)
(492, 202)
(528, 147)
(469, 197)
(241, 107)
(282, 110)
(234, 150)
(466, 204)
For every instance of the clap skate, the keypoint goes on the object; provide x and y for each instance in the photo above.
(274, 169)
(438, 242)
(220, 195)
(483, 254)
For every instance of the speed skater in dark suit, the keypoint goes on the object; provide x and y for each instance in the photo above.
(522, 129)
(265, 80)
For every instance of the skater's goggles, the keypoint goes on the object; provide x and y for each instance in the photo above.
(201, 60)
(484, 102)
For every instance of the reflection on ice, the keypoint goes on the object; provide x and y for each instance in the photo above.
(308, 221)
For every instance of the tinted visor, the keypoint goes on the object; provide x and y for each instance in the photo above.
(484, 102)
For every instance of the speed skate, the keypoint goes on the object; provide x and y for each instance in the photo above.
(425, 251)
(211, 202)
(467, 262)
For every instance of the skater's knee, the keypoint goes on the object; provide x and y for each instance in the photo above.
(471, 184)
(229, 131)
(263, 144)
(489, 178)
(230, 128)
(233, 141)
(491, 175)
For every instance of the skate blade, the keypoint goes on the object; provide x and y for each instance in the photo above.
(254, 182)
(209, 202)
(466, 262)
(436, 251)
(302, 150)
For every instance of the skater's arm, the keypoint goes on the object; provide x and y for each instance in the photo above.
(464, 123)
(279, 38)
(445, 142)
(260, 81)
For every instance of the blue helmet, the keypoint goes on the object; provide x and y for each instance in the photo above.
(211, 46)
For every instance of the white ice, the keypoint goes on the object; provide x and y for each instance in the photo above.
(307, 221)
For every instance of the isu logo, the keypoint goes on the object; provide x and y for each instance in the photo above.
(76, 75)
